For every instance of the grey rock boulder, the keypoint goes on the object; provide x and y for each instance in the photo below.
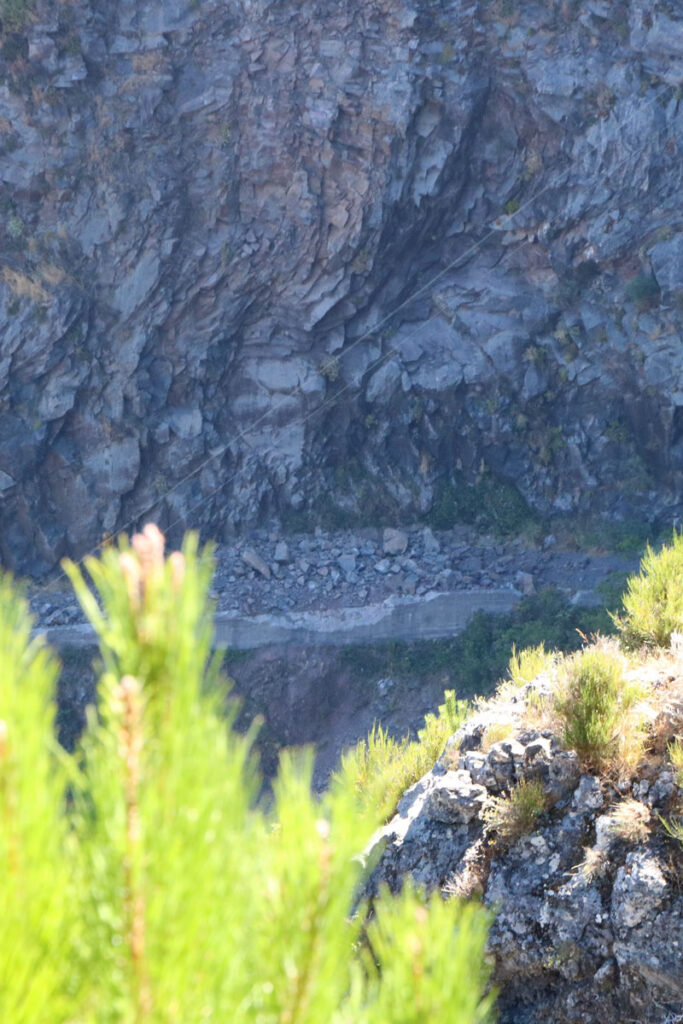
(455, 799)
(254, 561)
(281, 553)
(394, 542)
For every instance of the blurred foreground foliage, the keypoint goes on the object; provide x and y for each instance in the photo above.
(142, 881)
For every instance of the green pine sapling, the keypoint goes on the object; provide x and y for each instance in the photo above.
(144, 884)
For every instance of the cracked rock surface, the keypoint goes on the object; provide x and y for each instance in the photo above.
(588, 920)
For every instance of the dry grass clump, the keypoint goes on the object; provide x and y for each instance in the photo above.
(494, 733)
(468, 881)
(594, 864)
(25, 287)
(630, 821)
(514, 815)
(539, 710)
(51, 273)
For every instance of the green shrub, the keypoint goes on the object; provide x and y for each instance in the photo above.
(528, 663)
(38, 914)
(481, 653)
(473, 661)
(628, 538)
(352, 497)
(653, 602)
(380, 769)
(612, 589)
(15, 227)
(592, 702)
(143, 882)
(418, 965)
(491, 503)
(512, 816)
(371, 770)
(451, 715)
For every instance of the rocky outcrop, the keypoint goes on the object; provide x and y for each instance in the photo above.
(588, 906)
(206, 207)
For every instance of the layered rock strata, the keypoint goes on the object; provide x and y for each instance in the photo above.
(206, 207)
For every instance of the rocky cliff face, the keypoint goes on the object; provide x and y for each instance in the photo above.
(587, 899)
(206, 206)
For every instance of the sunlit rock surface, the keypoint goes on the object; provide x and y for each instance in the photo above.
(588, 916)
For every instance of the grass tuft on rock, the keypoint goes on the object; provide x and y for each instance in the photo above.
(592, 701)
(508, 818)
(630, 820)
(675, 749)
(653, 602)
(528, 663)
(380, 769)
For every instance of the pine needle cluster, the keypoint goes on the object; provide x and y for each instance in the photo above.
(142, 881)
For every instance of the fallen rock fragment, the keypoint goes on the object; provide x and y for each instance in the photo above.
(394, 542)
(254, 561)
(525, 582)
(281, 554)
